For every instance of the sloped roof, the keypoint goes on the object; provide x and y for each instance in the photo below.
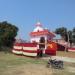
(39, 30)
(44, 32)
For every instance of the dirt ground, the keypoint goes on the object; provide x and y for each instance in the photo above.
(11, 64)
(39, 69)
(28, 69)
(66, 54)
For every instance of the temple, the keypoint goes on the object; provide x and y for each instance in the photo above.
(40, 43)
(40, 32)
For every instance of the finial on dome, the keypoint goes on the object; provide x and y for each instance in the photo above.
(38, 24)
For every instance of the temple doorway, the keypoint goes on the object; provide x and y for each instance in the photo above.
(41, 45)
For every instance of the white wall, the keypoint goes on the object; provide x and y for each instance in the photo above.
(37, 39)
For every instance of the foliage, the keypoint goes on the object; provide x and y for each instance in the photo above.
(73, 35)
(63, 32)
(74, 29)
(7, 33)
(68, 36)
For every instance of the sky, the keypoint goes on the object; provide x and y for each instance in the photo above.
(26, 13)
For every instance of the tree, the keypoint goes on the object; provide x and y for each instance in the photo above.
(63, 32)
(68, 36)
(74, 29)
(73, 35)
(8, 33)
(69, 33)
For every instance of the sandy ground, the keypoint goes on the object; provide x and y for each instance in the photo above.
(69, 62)
(66, 59)
(29, 69)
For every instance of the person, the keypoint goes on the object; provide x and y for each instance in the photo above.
(41, 52)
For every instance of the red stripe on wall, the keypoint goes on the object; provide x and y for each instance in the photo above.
(30, 45)
(26, 44)
(17, 49)
(71, 48)
(18, 44)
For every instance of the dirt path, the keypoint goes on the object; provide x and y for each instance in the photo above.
(66, 59)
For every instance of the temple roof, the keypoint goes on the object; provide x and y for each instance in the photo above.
(44, 32)
(39, 30)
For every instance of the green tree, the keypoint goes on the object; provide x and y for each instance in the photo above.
(68, 36)
(73, 35)
(63, 32)
(8, 33)
(74, 29)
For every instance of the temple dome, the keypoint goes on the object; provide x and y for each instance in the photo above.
(38, 27)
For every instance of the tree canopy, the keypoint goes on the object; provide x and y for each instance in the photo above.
(8, 33)
(73, 35)
(63, 32)
(68, 36)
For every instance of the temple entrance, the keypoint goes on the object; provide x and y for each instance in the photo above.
(42, 43)
(41, 46)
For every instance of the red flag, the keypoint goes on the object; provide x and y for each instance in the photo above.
(51, 48)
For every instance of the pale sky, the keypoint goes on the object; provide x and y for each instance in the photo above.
(25, 13)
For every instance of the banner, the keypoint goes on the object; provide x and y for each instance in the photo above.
(51, 48)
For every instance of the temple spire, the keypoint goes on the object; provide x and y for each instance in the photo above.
(38, 24)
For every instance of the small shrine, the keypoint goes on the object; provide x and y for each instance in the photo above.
(40, 32)
(41, 35)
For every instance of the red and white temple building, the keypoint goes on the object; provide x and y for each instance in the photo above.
(40, 38)
(39, 32)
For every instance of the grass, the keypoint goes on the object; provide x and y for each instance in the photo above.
(12, 59)
(11, 64)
